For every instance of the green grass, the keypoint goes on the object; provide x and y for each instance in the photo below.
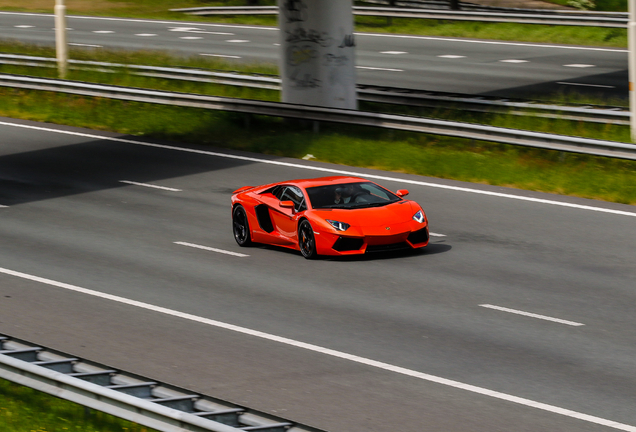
(160, 9)
(23, 409)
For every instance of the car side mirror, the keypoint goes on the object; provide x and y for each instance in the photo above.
(402, 193)
(287, 204)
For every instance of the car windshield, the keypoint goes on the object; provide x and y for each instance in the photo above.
(350, 196)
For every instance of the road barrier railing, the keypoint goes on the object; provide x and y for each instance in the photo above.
(321, 114)
(104, 399)
(132, 397)
(370, 93)
(566, 19)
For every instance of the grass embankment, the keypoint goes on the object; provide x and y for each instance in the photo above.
(26, 410)
(160, 9)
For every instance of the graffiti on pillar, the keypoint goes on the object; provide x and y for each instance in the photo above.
(299, 54)
(295, 10)
(302, 35)
(302, 53)
(304, 80)
(335, 60)
(348, 41)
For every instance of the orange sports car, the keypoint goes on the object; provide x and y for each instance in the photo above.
(328, 216)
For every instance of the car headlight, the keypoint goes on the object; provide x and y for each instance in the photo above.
(419, 216)
(339, 226)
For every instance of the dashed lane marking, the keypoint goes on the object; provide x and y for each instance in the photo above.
(221, 55)
(150, 186)
(513, 61)
(211, 249)
(85, 45)
(532, 315)
(379, 69)
(577, 65)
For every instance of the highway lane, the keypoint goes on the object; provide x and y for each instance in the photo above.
(70, 219)
(430, 63)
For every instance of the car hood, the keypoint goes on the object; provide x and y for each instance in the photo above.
(399, 212)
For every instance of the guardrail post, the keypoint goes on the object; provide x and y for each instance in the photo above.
(631, 42)
(318, 56)
(60, 38)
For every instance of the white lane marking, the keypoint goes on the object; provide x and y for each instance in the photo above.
(211, 249)
(330, 352)
(533, 315)
(24, 26)
(513, 61)
(451, 56)
(585, 85)
(197, 30)
(221, 55)
(579, 65)
(379, 69)
(190, 37)
(103, 31)
(85, 45)
(393, 52)
(150, 186)
(3, 206)
(145, 34)
(329, 170)
(237, 40)
(436, 235)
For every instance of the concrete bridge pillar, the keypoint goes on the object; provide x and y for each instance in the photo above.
(318, 53)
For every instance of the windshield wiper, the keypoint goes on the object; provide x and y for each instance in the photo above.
(376, 204)
(340, 206)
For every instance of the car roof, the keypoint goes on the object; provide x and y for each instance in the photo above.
(323, 181)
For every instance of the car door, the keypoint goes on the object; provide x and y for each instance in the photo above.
(285, 219)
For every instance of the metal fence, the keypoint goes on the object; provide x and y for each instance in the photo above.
(520, 17)
(369, 93)
(135, 398)
(320, 114)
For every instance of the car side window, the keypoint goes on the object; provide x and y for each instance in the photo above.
(295, 195)
(277, 191)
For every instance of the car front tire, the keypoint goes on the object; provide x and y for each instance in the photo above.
(307, 240)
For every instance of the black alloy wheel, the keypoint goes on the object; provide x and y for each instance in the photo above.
(241, 226)
(306, 240)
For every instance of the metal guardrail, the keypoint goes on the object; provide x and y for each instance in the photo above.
(370, 93)
(444, 4)
(576, 19)
(387, 121)
(141, 400)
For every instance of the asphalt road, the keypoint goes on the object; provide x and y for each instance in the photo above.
(396, 342)
(479, 67)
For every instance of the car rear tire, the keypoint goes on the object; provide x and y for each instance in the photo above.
(307, 240)
(241, 226)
